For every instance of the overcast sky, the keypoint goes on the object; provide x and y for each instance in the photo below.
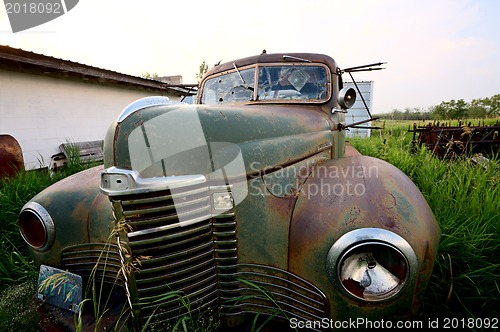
(435, 50)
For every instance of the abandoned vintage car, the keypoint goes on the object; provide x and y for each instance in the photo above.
(244, 203)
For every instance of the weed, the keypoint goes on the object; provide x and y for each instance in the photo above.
(465, 198)
(18, 310)
(18, 274)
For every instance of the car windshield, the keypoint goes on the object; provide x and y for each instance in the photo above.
(292, 83)
(227, 88)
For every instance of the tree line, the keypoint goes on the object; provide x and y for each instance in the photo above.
(449, 110)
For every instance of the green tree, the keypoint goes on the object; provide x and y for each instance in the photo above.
(492, 106)
(477, 109)
(459, 109)
(153, 76)
(202, 71)
(440, 112)
(447, 110)
(453, 109)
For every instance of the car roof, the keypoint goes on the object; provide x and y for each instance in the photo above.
(273, 58)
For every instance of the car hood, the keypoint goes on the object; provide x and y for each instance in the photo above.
(181, 139)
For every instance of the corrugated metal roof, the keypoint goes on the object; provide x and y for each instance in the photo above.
(30, 62)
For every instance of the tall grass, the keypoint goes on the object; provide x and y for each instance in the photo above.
(18, 275)
(18, 311)
(465, 198)
(17, 271)
(15, 267)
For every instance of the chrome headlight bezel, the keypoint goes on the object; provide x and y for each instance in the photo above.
(356, 250)
(33, 220)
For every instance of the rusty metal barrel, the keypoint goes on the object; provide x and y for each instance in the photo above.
(11, 156)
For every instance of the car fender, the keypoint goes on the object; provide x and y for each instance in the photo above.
(366, 195)
(79, 212)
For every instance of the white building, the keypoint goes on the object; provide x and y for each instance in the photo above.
(358, 112)
(46, 102)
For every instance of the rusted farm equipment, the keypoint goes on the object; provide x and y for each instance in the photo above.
(466, 139)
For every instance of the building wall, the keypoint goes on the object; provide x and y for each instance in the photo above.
(358, 111)
(44, 112)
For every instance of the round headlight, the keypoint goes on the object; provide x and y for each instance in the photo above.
(36, 226)
(371, 264)
(372, 271)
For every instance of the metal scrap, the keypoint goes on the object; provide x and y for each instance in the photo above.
(465, 139)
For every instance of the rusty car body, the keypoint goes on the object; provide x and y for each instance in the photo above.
(244, 203)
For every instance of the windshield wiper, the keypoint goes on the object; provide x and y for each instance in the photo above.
(244, 85)
(238, 71)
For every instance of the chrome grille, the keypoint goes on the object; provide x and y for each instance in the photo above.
(177, 250)
(268, 290)
(183, 250)
(157, 213)
(103, 257)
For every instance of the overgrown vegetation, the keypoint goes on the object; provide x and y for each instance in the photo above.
(449, 110)
(150, 76)
(202, 71)
(465, 198)
(18, 274)
(18, 312)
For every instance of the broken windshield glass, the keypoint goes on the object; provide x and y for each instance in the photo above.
(275, 83)
(291, 82)
(232, 87)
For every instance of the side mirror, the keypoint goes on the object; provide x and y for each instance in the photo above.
(346, 98)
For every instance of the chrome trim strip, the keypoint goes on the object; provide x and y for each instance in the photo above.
(139, 185)
(143, 103)
(166, 227)
(178, 283)
(167, 238)
(177, 207)
(167, 197)
(207, 246)
(292, 296)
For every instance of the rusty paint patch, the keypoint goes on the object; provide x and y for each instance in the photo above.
(398, 209)
(11, 156)
(352, 215)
